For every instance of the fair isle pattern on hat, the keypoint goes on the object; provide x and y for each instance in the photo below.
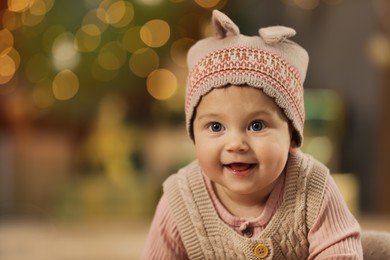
(255, 67)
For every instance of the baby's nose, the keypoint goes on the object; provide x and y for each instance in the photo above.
(236, 142)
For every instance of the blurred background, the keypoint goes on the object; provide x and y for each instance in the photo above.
(92, 115)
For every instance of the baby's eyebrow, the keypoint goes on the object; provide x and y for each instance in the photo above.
(262, 111)
(207, 115)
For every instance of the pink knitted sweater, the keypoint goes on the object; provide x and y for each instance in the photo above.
(333, 233)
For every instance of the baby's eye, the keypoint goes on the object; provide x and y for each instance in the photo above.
(256, 126)
(216, 127)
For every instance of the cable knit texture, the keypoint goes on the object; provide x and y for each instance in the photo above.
(205, 236)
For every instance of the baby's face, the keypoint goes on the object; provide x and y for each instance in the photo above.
(242, 140)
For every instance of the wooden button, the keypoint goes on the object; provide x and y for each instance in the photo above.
(261, 251)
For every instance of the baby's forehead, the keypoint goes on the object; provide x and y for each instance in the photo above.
(244, 95)
(239, 95)
(238, 91)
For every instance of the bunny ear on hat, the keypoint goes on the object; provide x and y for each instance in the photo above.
(275, 34)
(223, 25)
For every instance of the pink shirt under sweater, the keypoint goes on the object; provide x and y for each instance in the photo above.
(334, 235)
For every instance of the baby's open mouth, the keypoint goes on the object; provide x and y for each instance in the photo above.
(239, 167)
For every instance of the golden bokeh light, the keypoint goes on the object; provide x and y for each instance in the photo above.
(18, 5)
(131, 40)
(207, 3)
(379, 50)
(37, 67)
(31, 20)
(161, 84)
(116, 13)
(7, 68)
(155, 33)
(112, 56)
(127, 17)
(150, 2)
(42, 94)
(65, 85)
(65, 54)
(88, 38)
(179, 51)
(38, 8)
(6, 41)
(91, 17)
(11, 20)
(143, 62)
(14, 54)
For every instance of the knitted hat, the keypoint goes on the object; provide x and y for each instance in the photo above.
(269, 62)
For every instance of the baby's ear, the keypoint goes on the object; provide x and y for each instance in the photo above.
(293, 140)
(293, 148)
(223, 25)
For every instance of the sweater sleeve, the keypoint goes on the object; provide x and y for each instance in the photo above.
(335, 233)
(163, 241)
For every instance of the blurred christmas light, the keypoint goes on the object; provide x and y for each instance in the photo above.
(379, 50)
(161, 84)
(91, 18)
(15, 56)
(88, 38)
(207, 3)
(11, 20)
(150, 2)
(65, 85)
(131, 40)
(127, 17)
(31, 20)
(7, 68)
(18, 5)
(143, 62)
(111, 56)
(65, 54)
(155, 33)
(114, 12)
(6, 41)
(40, 7)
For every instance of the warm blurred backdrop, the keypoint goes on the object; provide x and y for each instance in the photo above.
(92, 120)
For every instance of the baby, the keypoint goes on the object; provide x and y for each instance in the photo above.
(251, 193)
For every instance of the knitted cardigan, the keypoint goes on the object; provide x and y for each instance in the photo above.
(206, 236)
